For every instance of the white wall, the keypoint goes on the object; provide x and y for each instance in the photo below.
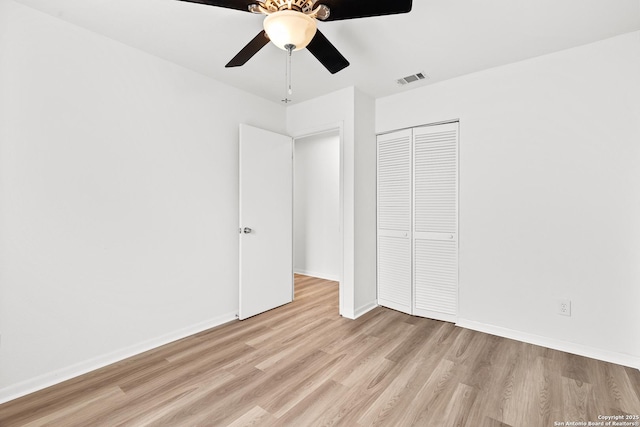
(365, 203)
(549, 194)
(316, 212)
(118, 199)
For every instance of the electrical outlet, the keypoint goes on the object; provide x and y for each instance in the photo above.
(564, 307)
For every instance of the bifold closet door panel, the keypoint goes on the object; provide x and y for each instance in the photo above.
(394, 220)
(394, 272)
(435, 221)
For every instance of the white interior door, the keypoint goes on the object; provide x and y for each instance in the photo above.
(266, 220)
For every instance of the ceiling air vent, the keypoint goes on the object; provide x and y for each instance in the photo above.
(410, 79)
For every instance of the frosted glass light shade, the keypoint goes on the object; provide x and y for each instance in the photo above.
(290, 27)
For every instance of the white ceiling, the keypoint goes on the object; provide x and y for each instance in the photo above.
(442, 38)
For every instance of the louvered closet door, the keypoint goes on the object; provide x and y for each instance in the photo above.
(394, 220)
(435, 221)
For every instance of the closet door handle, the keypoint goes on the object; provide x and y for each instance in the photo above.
(247, 230)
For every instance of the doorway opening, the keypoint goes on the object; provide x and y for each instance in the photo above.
(317, 208)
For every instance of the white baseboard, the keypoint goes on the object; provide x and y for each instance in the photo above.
(43, 381)
(568, 347)
(331, 277)
(365, 309)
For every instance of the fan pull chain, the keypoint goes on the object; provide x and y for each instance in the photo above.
(289, 89)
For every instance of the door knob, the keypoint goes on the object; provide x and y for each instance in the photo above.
(247, 230)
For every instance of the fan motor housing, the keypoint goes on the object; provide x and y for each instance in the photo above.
(304, 6)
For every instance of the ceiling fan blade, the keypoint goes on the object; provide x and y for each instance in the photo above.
(327, 53)
(229, 4)
(249, 50)
(341, 9)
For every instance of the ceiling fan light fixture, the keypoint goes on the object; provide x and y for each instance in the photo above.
(290, 27)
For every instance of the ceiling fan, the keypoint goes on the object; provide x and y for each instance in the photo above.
(292, 24)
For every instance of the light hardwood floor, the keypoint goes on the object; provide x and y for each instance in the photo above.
(304, 365)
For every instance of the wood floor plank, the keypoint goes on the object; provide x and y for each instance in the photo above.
(418, 365)
(459, 406)
(283, 399)
(496, 385)
(209, 406)
(430, 402)
(255, 417)
(523, 407)
(176, 374)
(311, 410)
(491, 422)
(576, 368)
(621, 389)
(159, 401)
(369, 358)
(84, 411)
(546, 391)
(348, 411)
(304, 365)
(576, 395)
(634, 379)
(481, 368)
(288, 348)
